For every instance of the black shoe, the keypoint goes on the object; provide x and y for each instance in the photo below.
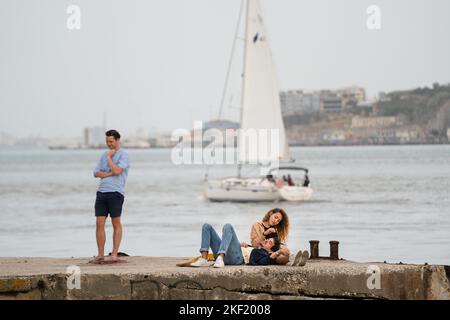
(120, 254)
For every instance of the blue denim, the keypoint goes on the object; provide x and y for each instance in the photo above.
(228, 245)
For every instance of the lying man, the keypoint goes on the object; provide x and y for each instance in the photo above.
(263, 256)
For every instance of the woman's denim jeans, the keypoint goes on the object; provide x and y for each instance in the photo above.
(228, 245)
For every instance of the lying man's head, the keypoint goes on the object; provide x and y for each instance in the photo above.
(271, 244)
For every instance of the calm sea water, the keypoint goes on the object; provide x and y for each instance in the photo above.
(382, 203)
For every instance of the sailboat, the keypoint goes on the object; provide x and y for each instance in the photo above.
(261, 110)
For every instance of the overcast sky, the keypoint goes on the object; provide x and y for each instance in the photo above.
(162, 63)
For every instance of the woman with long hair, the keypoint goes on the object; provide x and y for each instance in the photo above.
(276, 224)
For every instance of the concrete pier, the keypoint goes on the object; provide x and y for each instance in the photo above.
(159, 278)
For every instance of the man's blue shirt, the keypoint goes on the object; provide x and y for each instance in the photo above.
(113, 183)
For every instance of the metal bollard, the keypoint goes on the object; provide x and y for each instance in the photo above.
(334, 250)
(314, 246)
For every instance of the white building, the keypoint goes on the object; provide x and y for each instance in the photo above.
(355, 93)
(165, 141)
(298, 102)
(373, 122)
(336, 136)
(94, 137)
(6, 139)
(330, 102)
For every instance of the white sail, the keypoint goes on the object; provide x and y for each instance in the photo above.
(261, 113)
(261, 107)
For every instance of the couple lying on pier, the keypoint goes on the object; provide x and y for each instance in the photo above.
(267, 244)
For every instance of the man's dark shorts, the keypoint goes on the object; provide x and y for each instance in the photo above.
(109, 203)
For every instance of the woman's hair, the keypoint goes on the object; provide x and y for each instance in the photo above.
(283, 226)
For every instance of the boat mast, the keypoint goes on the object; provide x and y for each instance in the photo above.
(230, 63)
(244, 75)
(245, 61)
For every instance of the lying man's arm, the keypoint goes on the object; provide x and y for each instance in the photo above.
(283, 258)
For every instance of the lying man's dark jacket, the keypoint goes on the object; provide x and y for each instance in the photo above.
(260, 257)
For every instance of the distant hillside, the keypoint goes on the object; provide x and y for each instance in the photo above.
(423, 106)
(401, 117)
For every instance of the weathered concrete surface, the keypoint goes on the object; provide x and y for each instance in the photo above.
(159, 278)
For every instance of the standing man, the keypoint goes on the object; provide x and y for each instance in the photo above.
(112, 169)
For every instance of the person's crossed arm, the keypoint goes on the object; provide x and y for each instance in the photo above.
(115, 169)
(99, 171)
(102, 174)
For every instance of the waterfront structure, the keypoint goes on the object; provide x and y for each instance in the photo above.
(163, 141)
(94, 137)
(151, 278)
(330, 102)
(373, 122)
(296, 102)
(6, 139)
(352, 97)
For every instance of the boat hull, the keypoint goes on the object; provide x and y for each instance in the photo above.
(295, 193)
(253, 190)
(240, 194)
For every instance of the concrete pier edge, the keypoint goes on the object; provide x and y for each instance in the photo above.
(152, 278)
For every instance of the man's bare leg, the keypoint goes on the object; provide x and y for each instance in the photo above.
(117, 236)
(101, 236)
